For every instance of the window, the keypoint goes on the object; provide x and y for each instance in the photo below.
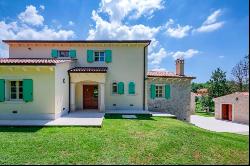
(16, 90)
(99, 56)
(159, 91)
(114, 88)
(63, 53)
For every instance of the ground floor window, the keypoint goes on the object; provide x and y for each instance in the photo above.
(114, 88)
(159, 91)
(16, 90)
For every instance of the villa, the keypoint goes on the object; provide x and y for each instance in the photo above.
(45, 79)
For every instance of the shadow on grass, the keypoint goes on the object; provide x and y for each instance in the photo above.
(24, 129)
(139, 117)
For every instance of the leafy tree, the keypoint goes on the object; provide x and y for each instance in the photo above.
(196, 86)
(218, 84)
(240, 73)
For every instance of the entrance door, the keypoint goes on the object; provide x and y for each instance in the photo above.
(227, 112)
(90, 96)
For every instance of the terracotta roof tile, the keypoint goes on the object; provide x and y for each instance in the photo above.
(32, 61)
(89, 70)
(166, 74)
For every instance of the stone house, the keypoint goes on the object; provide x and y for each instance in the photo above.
(170, 92)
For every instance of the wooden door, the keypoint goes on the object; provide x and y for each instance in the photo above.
(230, 112)
(224, 111)
(90, 96)
(227, 112)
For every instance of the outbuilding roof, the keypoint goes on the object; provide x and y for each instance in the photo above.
(166, 74)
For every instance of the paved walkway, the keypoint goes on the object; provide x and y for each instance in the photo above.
(212, 124)
(91, 119)
(162, 114)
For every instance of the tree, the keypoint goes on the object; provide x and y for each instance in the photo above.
(240, 73)
(196, 86)
(218, 84)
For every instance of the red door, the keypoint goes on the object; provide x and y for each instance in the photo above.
(230, 112)
(227, 112)
(90, 96)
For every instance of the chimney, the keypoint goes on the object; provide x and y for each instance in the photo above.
(179, 67)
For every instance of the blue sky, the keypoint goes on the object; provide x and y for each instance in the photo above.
(206, 33)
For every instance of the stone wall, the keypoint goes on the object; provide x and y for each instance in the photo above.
(178, 104)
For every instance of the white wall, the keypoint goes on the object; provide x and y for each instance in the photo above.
(62, 88)
(43, 104)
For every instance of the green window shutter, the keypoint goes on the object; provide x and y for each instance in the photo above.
(54, 53)
(131, 88)
(27, 90)
(108, 56)
(167, 91)
(2, 90)
(90, 56)
(72, 53)
(120, 88)
(152, 91)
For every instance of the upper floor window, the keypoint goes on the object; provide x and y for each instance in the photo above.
(16, 90)
(159, 92)
(99, 56)
(63, 53)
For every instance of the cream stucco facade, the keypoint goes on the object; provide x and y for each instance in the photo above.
(57, 91)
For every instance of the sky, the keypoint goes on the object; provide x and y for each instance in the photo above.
(206, 33)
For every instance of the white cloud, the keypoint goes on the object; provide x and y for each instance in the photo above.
(178, 32)
(119, 9)
(156, 57)
(211, 24)
(158, 68)
(20, 30)
(31, 16)
(213, 17)
(184, 54)
(71, 23)
(42, 7)
(210, 27)
(221, 56)
(107, 30)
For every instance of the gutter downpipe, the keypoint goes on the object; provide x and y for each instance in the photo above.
(69, 92)
(144, 77)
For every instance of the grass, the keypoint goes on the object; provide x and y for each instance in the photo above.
(205, 114)
(147, 140)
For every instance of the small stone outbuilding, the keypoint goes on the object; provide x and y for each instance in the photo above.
(170, 92)
(233, 107)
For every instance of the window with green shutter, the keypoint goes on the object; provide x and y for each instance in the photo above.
(90, 56)
(54, 53)
(72, 53)
(108, 56)
(167, 91)
(120, 88)
(2, 90)
(28, 90)
(152, 91)
(131, 88)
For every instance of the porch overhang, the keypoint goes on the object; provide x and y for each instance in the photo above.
(88, 74)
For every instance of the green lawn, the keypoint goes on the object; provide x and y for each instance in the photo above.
(122, 141)
(206, 114)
